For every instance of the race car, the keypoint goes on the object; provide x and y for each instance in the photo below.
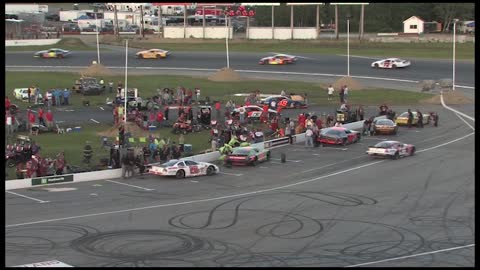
(391, 149)
(391, 63)
(284, 101)
(246, 156)
(402, 119)
(337, 136)
(254, 111)
(153, 53)
(52, 53)
(384, 126)
(184, 168)
(278, 59)
(22, 94)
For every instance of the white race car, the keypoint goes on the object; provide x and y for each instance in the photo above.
(391, 63)
(184, 168)
(22, 94)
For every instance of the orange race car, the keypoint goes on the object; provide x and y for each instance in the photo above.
(153, 53)
(278, 59)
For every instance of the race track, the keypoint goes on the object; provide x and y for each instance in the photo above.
(308, 63)
(327, 206)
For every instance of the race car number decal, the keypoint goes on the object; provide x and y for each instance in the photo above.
(386, 64)
(194, 170)
(283, 103)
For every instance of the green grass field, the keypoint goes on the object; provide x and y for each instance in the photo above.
(70, 44)
(223, 91)
(73, 143)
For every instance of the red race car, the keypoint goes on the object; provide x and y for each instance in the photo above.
(278, 59)
(338, 136)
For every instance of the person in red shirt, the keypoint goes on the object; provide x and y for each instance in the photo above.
(319, 123)
(159, 118)
(41, 121)
(31, 119)
(218, 106)
(49, 117)
(151, 118)
(247, 103)
(7, 103)
(115, 115)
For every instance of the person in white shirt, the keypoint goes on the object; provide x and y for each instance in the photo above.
(345, 93)
(283, 93)
(309, 138)
(330, 92)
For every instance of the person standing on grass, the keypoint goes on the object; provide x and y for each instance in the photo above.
(110, 87)
(49, 117)
(66, 96)
(218, 106)
(9, 123)
(37, 94)
(60, 164)
(345, 93)
(341, 95)
(330, 91)
(29, 93)
(41, 121)
(49, 97)
(197, 94)
(7, 103)
(31, 119)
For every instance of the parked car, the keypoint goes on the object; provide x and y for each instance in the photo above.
(391, 149)
(22, 94)
(391, 63)
(184, 168)
(278, 59)
(52, 53)
(402, 119)
(153, 53)
(338, 136)
(88, 86)
(385, 126)
(247, 156)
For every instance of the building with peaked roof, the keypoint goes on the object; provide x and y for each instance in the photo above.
(413, 25)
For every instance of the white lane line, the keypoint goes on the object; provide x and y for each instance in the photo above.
(411, 256)
(93, 120)
(222, 197)
(40, 201)
(233, 174)
(193, 181)
(120, 183)
(239, 70)
(465, 121)
(102, 108)
(288, 160)
(453, 110)
(357, 56)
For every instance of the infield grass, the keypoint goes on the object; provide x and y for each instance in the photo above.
(70, 44)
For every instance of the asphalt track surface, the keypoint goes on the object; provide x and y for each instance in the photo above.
(308, 63)
(326, 206)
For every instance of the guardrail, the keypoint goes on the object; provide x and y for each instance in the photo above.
(116, 173)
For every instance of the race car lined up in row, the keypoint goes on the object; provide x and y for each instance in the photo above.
(52, 53)
(402, 119)
(338, 136)
(247, 156)
(385, 127)
(391, 149)
(278, 59)
(286, 102)
(184, 168)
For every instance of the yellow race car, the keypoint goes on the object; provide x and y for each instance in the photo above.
(153, 53)
(402, 119)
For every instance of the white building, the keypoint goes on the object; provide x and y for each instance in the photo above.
(413, 25)
(25, 8)
(72, 15)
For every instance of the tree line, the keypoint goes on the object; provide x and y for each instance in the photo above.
(379, 17)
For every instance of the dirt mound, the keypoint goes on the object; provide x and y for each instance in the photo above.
(131, 127)
(96, 70)
(352, 84)
(226, 75)
(450, 97)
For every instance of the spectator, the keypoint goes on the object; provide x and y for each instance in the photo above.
(7, 104)
(420, 119)
(41, 121)
(330, 91)
(9, 123)
(31, 119)
(110, 87)
(35, 148)
(197, 94)
(49, 97)
(49, 117)
(37, 94)
(102, 83)
(181, 142)
(159, 118)
(283, 93)
(309, 138)
(60, 164)
(29, 93)
(360, 113)
(218, 106)
(345, 93)
(410, 119)
(66, 96)
(128, 163)
(33, 93)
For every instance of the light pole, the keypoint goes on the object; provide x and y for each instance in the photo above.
(453, 83)
(348, 45)
(125, 87)
(98, 47)
(226, 39)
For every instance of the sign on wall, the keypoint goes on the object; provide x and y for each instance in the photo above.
(52, 179)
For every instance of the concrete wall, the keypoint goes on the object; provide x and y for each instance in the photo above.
(283, 33)
(30, 42)
(304, 33)
(211, 32)
(259, 33)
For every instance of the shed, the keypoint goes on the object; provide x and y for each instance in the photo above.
(413, 25)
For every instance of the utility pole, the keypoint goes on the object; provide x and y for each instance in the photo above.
(317, 26)
(273, 22)
(142, 26)
(291, 20)
(336, 21)
(160, 23)
(117, 30)
(362, 20)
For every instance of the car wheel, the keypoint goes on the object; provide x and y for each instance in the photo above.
(394, 66)
(60, 56)
(210, 170)
(140, 56)
(375, 66)
(255, 162)
(358, 137)
(344, 142)
(158, 56)
(268, 156)
(412, 152)
(396, 156)
(180, 174)
(228, 164)
(265, 62)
